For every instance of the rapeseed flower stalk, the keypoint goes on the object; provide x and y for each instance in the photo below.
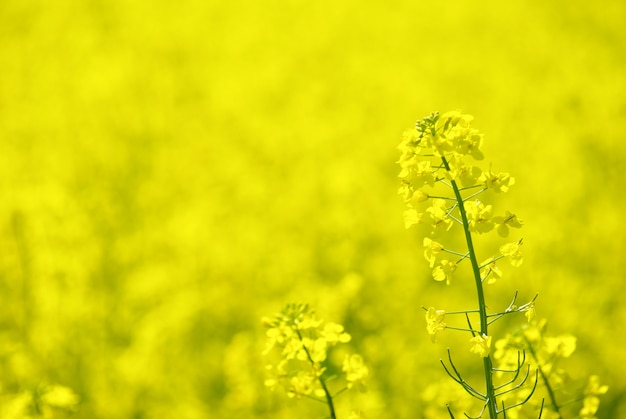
(302, 370)
(442, 189)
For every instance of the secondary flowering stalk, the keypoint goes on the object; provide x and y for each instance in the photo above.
(304, 342)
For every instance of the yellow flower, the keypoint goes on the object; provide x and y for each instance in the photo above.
(277, 373)
(434, 322)
(418, 172)
(409, 140)
(406, 190)
(412, 217)
(433, 248)
(444, 271)
(468, 175)
(316, 349)
(591, 401)
(535, 330)
(481, 345)
(60, 396)
(355, 370)
(478, 216)
(418, 196)
(512, 250)
(303, 384)
(490, 271)
(294, 349)
(590, 407)
(500, 182)
(562, 346)
(443, 143)
(594, 387)
(438, 215)
(277, 335)
(469, 143)
(529, 311)
(505, 222)
(334, 333)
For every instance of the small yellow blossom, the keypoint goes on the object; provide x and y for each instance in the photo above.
(419, 172)
(355, 370)
(304, 384)
(590, 407)
(409, 140)
(509, 220)
(444, 271)
(469, 144)
(529, 311)
(594, 387)
(334, 333)
(591, 402)
(561, 346)
(406, 190)
(512, 250)
(60, 396)
(500, 182)
(468, 175)
(294, 349)
(479, 216)
(434, 322)
(432, 249)
(489, 271)
(418, 196)
(535, 330)
(411, 217)
(438, 216)
(481, 345)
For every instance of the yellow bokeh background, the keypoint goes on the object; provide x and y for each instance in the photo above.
(170, 172)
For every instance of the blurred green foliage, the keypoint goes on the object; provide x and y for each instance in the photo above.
(170, 172)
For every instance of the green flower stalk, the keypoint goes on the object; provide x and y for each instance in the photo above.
(435, 173)
(440, 185)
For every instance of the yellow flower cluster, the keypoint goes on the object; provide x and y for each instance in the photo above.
(303, 342)
(434, 155)
(49, 401)
(546, 352)
(434, 322)
(355, 370)
(591, 402)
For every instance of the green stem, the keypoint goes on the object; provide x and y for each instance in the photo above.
(482, 306)
(555, 405)
(329, 397)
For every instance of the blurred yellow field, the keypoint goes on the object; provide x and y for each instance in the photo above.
(172, 172)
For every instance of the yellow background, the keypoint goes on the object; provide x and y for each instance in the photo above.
(172, 171)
